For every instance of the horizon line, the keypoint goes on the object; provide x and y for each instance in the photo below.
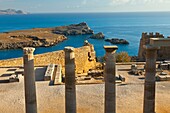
(101, 12)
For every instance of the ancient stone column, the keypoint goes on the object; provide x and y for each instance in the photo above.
(29, 80)
(70, 88)
(109, 76)
(149, 88)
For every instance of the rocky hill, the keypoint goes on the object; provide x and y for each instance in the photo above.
(12, 11)
(99, 35)
(73, 29)
(41, 37)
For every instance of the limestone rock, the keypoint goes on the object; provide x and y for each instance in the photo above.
(117, 41)
(73, 29)
(99, 35)
(41, 37)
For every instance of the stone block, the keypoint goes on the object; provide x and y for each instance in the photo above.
(134, 69)
(166, 61)
(58, 75)
(95, 73)
(13, 78)
(49, 72)
(133, 66)
(161, 78)
(87, 78)
(168, 66)
(163, 73)
(19, 71)
(164, 66)
(118, 81)
(159, 70)
(122, 78)
(168, 77)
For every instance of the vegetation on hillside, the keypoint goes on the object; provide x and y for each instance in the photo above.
(120, 57)
(123, 57)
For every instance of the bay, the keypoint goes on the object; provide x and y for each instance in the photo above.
(128, 26)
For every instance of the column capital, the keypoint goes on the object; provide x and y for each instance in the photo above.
(28, 50)
(151, 47)
(69, 49)
(110, 49)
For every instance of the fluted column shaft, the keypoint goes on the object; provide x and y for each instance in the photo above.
(149, 88)
(29, 81)
(70, 88)
(109, 76)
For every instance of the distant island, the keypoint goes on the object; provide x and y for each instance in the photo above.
(12, 12)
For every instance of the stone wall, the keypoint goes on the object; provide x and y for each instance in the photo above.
(84, 58)
(163, 53)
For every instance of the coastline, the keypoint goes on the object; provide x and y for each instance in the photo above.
(41, 37)
(110, 24)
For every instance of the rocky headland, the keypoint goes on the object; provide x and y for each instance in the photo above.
(117, 41)
(29, 38)
(12, 12)
(41, 37)
(99, 35)
(73, 29)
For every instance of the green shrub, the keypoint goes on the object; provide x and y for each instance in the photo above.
(122, 57)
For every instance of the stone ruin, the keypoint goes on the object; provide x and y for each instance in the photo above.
(109, 78)
(70, 77)
(136, 71)
(162, 71)
(162, 53)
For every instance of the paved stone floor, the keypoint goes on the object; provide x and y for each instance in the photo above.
(90, 98)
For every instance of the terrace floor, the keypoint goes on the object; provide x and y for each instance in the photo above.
(90, 98)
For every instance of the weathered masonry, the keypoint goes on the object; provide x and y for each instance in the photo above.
(70, 87)
(110, 78)
(85, 59)
(156, 39)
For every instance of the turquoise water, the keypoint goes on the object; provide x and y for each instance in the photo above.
(128, 26)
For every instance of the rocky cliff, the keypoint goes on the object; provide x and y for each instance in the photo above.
(99, 35)
(73, 29)
(29, 38)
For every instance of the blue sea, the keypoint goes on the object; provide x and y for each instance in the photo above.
(128, 26)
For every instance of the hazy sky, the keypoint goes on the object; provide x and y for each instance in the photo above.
(52, 6)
